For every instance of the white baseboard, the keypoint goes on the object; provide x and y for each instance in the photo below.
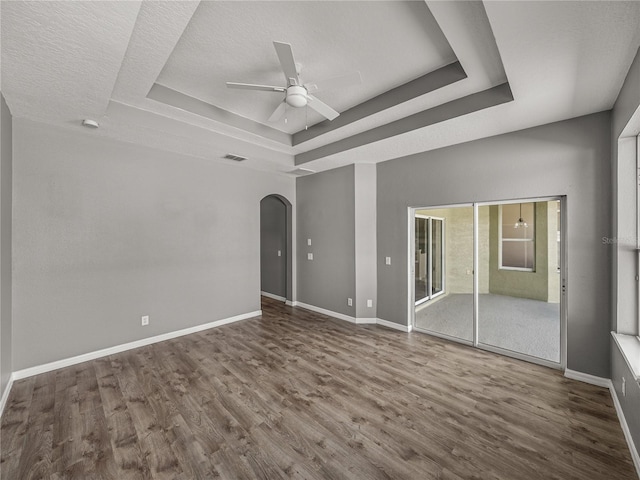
(366, 321)
(5, 394)
(275, 297)
(324, 311)
(394, 325)
(358, 321)
(625, 429)
(28, 372)
(607, 383)
(586, 378)
(291, 304)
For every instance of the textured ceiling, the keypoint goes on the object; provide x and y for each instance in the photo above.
(65, 61)
(233, 41)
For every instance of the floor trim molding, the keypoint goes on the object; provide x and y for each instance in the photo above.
(291, 304)
(587, 378)
(273, 295)
(635, 456)
(357, 321)
(607, 383)
(5, 395)
(394, 325)
(324, 311)
(47, 367)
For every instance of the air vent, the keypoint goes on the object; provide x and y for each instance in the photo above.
(235, 158)
(301, 171)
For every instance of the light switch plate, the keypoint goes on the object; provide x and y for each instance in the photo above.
(387, 260)
(309, 256)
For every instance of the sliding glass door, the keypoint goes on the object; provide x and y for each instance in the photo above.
(490, 275)
(429, 260)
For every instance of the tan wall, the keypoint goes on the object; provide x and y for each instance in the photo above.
(459, 248)
(542, 284)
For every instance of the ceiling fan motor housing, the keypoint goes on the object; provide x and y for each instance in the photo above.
(296, 96)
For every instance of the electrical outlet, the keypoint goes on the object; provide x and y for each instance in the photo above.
(624, 387)
(387, 260)
(350, 302)
(279, 253)
(468, 272)
(309, 256)
(309, 241)
(145, 320)
(369, 303)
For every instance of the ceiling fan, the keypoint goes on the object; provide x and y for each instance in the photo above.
(296, 93)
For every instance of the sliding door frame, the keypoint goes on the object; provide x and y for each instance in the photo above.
(561, 365)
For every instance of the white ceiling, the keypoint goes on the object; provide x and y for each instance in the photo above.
(65, 61)
(233, 41)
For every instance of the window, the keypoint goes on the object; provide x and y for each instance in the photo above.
(517, 237)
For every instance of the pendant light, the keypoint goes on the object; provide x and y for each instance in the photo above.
(520, 223)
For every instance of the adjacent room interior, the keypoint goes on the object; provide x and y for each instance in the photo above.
(350, 239)
(518, 270)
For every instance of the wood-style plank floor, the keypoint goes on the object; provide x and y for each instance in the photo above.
(295, 394)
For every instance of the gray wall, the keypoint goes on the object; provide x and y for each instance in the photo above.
(365, 240)
(566, 158)
(624, 285)
(6, 160)
(631, 401)
(273, 238)
(326, 214)
(105, 232)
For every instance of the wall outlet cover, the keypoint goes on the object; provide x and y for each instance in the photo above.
(145, 320)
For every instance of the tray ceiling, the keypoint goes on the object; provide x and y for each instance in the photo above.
(434, 73)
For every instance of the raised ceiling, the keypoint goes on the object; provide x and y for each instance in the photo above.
(434, 73)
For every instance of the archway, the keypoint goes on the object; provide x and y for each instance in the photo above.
(276, 248)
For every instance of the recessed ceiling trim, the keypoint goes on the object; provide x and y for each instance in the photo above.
(171, 97)
(420, 86)
(456, 108)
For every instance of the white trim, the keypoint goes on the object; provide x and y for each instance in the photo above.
(271, 295)
(629, 346)
(324, 311)
(394, 325)
(625, 429)
(366, 321)
(607, 383)
(357, 321)
(290, 303)
(47, 367)
(586, 378)
(5, 395)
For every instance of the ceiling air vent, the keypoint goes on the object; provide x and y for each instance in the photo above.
(236, 158)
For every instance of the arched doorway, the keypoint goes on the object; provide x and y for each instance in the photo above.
(276, 248)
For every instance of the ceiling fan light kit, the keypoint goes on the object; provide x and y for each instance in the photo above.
(296, 93)
(296, 96)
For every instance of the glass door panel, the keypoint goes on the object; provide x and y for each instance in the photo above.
(519, 278)
(422, 242)
(436, 256)
(447, 307)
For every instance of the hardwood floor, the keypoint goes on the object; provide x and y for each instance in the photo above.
(295, 394)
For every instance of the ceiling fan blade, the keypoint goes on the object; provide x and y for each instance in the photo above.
(251, 86)
(278, 112)
(287, 62)
(322, 108)
(342, 81)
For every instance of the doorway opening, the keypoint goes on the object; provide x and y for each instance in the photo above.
(276, 265)
(502, 276)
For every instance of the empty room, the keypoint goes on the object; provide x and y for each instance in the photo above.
(315, 239)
